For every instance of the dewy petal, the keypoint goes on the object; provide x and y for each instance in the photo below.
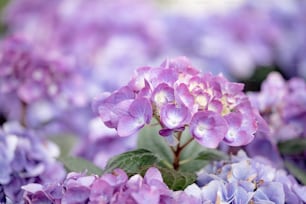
(208, 128)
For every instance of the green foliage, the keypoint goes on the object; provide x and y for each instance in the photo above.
(132, 162)
(138, 162)
(298, 173)
(76, 164)
(211, 155)
(3, 4)
(177, 180)
(149, 138)
(189, 161)
(64, 142)
(293, 146)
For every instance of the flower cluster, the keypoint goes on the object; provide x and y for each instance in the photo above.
(99, 41)
(24, 159)
(283, 106)
(179, 96)
(33, 76)
(245, 180)
(113, 188)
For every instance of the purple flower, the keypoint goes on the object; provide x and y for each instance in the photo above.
(177, 96)
(30, 74)
(283, 106)
(173, 116)
(109, 188)
(241, 131)
(24, 158)
(139, 114)
(244, 180)
(114, 106)
(162, 94)
(208, 128)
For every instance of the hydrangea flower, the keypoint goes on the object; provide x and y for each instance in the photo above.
(113, 187)
(179, 96)
(99, 41)
(245, 180)
(283, 106)
(24, 158)
(30, 74)
(76, 67)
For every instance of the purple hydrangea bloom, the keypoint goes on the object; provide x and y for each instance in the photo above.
(24, 158)
(283, 106)
(30, 74)
(178, 96)
(114, 187)
(245, 180)
(99, 41)
(76, 67)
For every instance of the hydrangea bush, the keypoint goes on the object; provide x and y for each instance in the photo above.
(179, 100)
(179, 132)
(25, 158)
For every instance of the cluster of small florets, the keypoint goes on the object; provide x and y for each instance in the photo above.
(29, 74)
(283, 106)
(113, 188)
(179, 96)
(245, 180)
(24, 158)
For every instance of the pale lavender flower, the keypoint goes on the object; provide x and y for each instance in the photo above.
(244, 180)
(24, 158)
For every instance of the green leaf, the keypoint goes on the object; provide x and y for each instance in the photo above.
(65, 142)
(149, 138)
(188, 162)
(293, 146)
(211, 155)
(298, 173)
(177, 180)
(132, 162)
(76, 164)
